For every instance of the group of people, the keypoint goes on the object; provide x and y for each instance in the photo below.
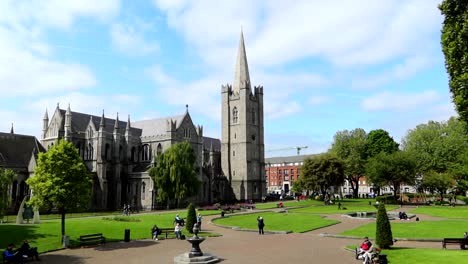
(403, 216)
(20, 254)
(126, 210)
(179, 223)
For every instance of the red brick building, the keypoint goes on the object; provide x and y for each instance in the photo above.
(281, 172)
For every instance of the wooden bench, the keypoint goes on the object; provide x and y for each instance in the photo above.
(167, 231)
(92, 239)
(459, 241)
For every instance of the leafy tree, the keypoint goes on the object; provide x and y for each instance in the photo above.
(437, 182)
(175, 174)
(60, 180)
(383, 234)
(437, 146)
(454, 36)
(350, 147)
(298, 186)
(322, 172)
(6, 178)
(191, 218)
(391, 169)
(380, 141)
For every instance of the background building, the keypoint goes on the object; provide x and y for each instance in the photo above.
(281, 172)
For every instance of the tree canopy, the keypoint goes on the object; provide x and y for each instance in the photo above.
(322, 172)
(455, 49)
(6, 178)
(175, 174)
(380, 141)
(436, 182)
(351, 148)
(391, 169)
(437, 146)
(60, 180)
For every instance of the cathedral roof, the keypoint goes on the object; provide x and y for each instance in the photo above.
(80, 122)
(156, 126)
(16, 150)
(209, 142)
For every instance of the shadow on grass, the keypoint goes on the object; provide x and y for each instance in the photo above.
(12, 233)
(60, 259)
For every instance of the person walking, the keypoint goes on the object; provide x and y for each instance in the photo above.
(261, 225)
(178, 231)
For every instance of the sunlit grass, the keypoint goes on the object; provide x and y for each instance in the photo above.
(277, 221)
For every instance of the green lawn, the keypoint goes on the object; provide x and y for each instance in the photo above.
(277, 221)
(442, 211)
(413, 229)
(422, 255)
(46, 236)
(288, 203)
(333, 209)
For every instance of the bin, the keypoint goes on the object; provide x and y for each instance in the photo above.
(383, 259)
(127, 235)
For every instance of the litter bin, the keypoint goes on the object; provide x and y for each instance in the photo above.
(222, 213)
(127, 235)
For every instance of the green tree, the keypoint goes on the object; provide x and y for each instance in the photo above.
(350, 147)
(437, 146)
(380, 141)
(455, 49)
(60, 180)
(175, 174)
(298, 186)
(391, 169)
(383, 233)
(191, 218)
(6, 178)
(436, 182)
(322, 172)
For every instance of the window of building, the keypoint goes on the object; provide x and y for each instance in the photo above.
(233, 153)
(286, 172)
(253, 116)
(292, 171)
(159, 149)
(286, 178)
(146, 154)
(235, 115)
(108, 152)
(143, 188)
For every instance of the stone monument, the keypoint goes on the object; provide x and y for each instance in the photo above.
(195, 255)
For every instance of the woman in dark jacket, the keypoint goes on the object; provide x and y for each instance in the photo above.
(261, 224)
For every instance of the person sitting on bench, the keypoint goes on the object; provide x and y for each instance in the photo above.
(12, 255)
(155, 231)
(27, 250)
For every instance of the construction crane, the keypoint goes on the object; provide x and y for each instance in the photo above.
(289, 148)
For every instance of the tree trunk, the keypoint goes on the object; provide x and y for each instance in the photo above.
(62, 211)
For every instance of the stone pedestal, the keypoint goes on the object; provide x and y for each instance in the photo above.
(187, 258)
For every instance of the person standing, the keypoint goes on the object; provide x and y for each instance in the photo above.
(178, 231)
(199, 219)
(261, 225)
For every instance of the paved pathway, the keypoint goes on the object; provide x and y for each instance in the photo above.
(232, 247)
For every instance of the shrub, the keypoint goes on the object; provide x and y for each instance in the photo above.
(387, 199)
(383, 234)
(191, 218)
(121, 219)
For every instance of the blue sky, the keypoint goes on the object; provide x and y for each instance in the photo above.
(325, 66)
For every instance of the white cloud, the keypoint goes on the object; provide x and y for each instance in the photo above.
(129, 38)
(387, 101)
(401, 71)
(318, 100)
(279, 32)
(56, 13)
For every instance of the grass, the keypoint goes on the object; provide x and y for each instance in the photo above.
(47, 235)
(443, 211)
(412, 229)
(277, 221)
(289, 203)
(422, 255)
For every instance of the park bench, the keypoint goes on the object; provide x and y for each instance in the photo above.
(166, 231)
(92, 239)
(459, 241)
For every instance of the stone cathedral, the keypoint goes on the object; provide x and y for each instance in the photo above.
(119, 153)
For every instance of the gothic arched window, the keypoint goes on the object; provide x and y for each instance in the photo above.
(235, 115)
(146, 154)
(159, 149)
(253, 116)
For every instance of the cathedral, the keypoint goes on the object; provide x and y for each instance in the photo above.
(119, 153)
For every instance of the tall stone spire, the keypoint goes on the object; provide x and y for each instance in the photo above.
(241, 77)
(103, 120)
(116, 125)
(12, 131)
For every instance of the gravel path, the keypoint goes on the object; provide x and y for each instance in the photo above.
(233, 247)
